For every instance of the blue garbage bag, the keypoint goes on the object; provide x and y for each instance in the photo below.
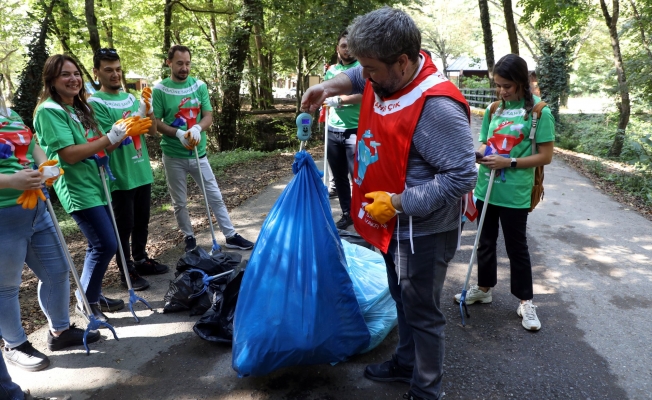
(369, 275)
(297, 305)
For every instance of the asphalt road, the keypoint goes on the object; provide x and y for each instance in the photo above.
(592, 272)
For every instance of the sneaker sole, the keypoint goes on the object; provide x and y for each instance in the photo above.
(485, 301)
(150, 272)
(377, 379)
(233, 246)
(31, 368)
(136, 288)
(105, 308)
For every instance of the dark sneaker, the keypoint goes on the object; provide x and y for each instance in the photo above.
(411, 396)
(26, 357)
(332, 193)
(72, 336)
(389, 371)
(137, 281)
(95, 308)
(238, 242)
(344, 222)
(110, 305)
(151, 266)
(191, 243)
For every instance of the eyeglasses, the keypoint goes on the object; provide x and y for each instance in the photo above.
(107, 51)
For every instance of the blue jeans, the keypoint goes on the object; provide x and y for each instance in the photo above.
(8, 389)
(95, 223)
(421, 322)
(28, 236)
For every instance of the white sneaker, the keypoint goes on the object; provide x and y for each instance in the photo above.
(528, 312)
(474, 294)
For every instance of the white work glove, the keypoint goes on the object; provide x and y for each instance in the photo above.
(117, 133)
(335, 101)
(183, 138)
(195, 131)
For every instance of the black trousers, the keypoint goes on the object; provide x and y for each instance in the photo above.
(513, 222)
(131, 209)
(341, 150)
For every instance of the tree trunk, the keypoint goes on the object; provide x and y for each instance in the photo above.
(238, 50)
(265, 97)
(67, 50)
(30, 78)
(253, 84)
(167, 35)
(624, 104)
(488, 39)
(91, 24)
(299, 78)
(510, 26)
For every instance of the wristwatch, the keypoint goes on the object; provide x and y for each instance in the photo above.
(513, 164)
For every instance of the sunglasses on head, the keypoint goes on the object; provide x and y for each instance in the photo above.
(107, 51)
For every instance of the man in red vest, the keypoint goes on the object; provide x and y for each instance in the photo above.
(414, 162)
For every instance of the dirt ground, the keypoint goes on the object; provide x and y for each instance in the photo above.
(239, 183)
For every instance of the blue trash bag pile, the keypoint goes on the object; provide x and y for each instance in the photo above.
(369, 275)
(297, 304)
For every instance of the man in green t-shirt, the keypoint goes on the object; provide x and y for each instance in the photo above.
(129, 161)
(183, 109)
(342, 131)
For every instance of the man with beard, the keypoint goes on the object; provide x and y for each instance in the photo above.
(129, 162)
(414, 162)
(183, 108)
(342, 130)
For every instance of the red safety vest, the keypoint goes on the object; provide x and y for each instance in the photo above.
(385, 134)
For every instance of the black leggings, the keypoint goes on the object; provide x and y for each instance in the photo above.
(513, 222)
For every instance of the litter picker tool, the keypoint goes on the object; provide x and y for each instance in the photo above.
(133, 298)
(216, 247)
(206, 280)
(93, 323)
(304, 126)
(326, 145)
(463, 308)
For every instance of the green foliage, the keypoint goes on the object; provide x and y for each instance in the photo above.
(565, 18)
(160, 185)
(224, 160)
(553, 70)
(474, 82)
(593, 134)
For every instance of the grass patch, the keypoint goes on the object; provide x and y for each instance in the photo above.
(66, 223)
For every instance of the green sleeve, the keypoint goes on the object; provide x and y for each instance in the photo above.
(484, 130)
(158, 104)
(205, 99)
(545, 127)
(54, 129)
(102, 116)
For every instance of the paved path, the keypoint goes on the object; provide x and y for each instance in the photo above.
(592, 271)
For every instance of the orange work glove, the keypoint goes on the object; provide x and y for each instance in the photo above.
(50, 163)
(381, 209)
(136, 125)
(145, 107)
(29, 198)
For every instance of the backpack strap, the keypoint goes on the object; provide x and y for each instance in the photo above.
(536, 114)
(492, 108)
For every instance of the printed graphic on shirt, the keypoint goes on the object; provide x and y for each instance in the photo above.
(503, 143)
(15, 138)
(365, 155)
(189, 109)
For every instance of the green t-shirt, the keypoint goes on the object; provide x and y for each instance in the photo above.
(346, 116)
(80, 187)
(516, 191)
(175, 103)
(16, 146)
(130, 168)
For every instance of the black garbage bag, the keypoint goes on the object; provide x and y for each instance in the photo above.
(354, 238)
(216, 325)
(214, 264)
(188, 291)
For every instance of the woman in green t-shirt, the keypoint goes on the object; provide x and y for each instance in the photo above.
(509, 201)
(27, 236)
(68, 132)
